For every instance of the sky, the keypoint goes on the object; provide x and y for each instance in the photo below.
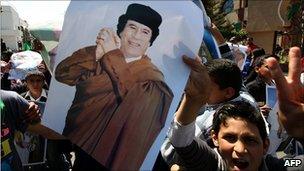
(48, 14)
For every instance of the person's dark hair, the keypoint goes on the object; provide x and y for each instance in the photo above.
(142, 14)
(258, 52)
(225, 73)
(34, 73)
(6, 56)
(242, 110)
(249, 39)
(276, 57)
(260, 60)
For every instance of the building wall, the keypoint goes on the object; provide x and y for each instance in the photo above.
(264, 18)
(10, 22)
(9, 18)
(263, 39)
(266, 15)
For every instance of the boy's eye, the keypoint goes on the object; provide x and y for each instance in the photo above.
(230, 138)
(251, 141)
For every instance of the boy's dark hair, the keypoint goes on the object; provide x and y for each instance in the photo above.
(258, 52)
(260, 60)
(239, 109)
(225, 73)
(34, 73)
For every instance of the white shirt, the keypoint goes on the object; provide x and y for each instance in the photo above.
(131, 59)
(28, 94)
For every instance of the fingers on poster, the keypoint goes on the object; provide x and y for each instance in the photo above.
(140, 82)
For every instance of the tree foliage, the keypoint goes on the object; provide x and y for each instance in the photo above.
(214, 9)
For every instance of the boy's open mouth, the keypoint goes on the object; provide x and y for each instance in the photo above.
(240, 163)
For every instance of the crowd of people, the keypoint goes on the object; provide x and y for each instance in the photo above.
(29, 145)
(223, 122)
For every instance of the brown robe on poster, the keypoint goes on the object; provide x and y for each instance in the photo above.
(119, 108)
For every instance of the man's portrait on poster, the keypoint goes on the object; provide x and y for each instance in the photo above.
(120, 94)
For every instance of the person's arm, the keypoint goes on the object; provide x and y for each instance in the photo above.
(85, 62)
(25, 116)
(196, 91)
(44, 131)
(196, 154)
(113, 62)
(31, 117)
(196, 95)
(223, 46)
(290, 93)
(199, 156)
(77, 67)
(117, 69)
(217, 34)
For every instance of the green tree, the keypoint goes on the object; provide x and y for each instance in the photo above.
(214, 9)
(295, 14)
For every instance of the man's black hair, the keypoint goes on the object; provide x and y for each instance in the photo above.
(239, 110)
(225, 73)
(260, 60)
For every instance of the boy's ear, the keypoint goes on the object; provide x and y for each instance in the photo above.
(229, 92)
(256, 69)
(266, 146)
(214, 138)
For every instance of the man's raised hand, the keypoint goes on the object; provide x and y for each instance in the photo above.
(290, 93)
(106, 41)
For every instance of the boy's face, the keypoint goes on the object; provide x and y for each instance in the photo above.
(264, 71)
(35, 83)
(240, 144)
(217, 95)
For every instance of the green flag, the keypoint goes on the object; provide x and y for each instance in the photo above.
(1, 104)
(27, 46)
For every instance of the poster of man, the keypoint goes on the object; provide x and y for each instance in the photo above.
(109, 80)
(123, 88)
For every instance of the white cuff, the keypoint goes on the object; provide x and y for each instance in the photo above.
(181, 135)
(223, 44)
